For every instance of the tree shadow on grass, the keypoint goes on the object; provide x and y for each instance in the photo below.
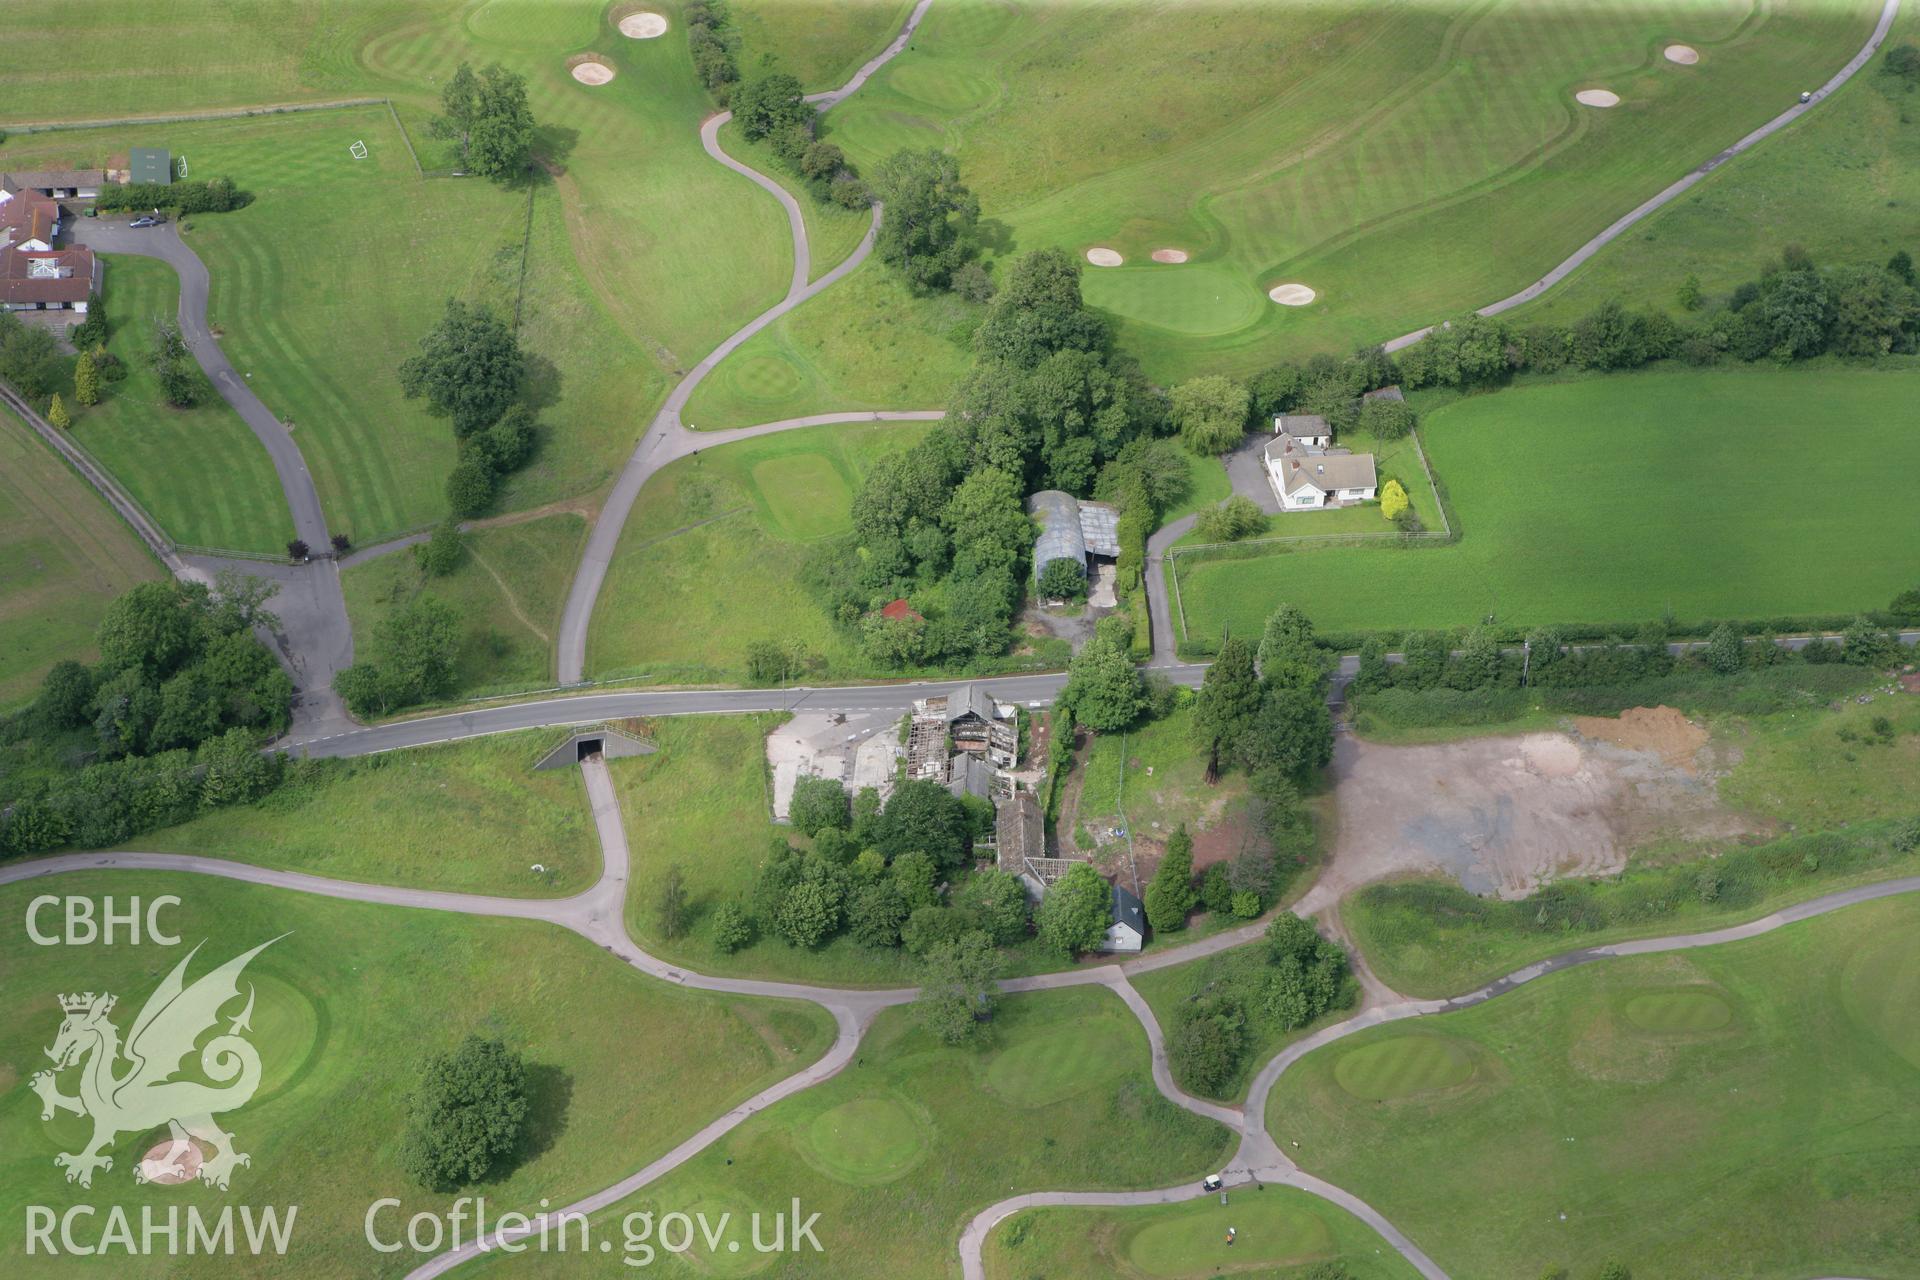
(549, 1096)
(552, 147)
(540, 385)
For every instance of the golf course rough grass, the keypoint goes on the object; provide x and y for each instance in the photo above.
(1586, 1129)
(348, 999)
(1276, 1229)
(1403, 1067)
(1671, 513)
(64, 557)
(471, 817)
(979, 1149)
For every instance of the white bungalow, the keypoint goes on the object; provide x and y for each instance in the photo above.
(1308, 473)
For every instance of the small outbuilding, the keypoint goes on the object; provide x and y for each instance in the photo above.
(1128, 930)
(1070, 529)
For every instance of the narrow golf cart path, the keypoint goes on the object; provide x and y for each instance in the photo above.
(667, 438)
(1889, 10)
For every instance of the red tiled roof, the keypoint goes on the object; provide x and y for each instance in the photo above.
(898, 609)
(28, 217)
(20, 284)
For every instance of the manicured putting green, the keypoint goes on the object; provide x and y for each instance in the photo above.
(1670, 1012)
(868, 1140)
(1268, 1232)
(1881, 992)
(878, 131)
(1071, 1058)
(804, 493)
(767, 379)
(1403, 1066)
(1200, 298)
(538, 25)
(286, 1029)
(940, 86)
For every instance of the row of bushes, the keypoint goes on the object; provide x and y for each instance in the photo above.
(213, 195)
(106, 804)
(710, 38)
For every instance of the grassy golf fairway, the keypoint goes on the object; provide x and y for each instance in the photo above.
(1467, 171)
(64, 556)
(866, 343)
(468, 816)
(892, 1203)
(1732, 1111)
(1681, 515)
(347, 1004)
(1841, 183)
(1275, 1229)
(163, 455)
(508, 588)
(726, 527)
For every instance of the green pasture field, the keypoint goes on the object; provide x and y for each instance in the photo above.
(165, 456)
(1842, 183)
(1704, 1113)
(64, 556)
(1277, 1229)
(1465, 171)
(948, 1142)
(348, 1002)
(508, 588)
(709, 561)
(866, 343)
(823, 42)
(1672, 492)
(471, 817)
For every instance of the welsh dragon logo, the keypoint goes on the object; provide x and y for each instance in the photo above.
(144, 1094)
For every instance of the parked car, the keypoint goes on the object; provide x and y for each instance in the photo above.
(144, 221)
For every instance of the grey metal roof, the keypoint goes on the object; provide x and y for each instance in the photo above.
(150, 164)
(971, 775)
(1061, 537)
(1385, 393)
(1129, 911)
(1100, 528)
(971, 699)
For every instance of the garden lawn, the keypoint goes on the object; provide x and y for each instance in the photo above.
(1842, 183)
(348, 1002)
(899, 1150)
(866, 343)
(1276, 1227)
(823, 42)
(64, 556)
(710, 559)
(1405, 164)
(166, 457)
(1624, 499)
(1393, 460)
(507, 588)
(1734, 1110)
(469, 816)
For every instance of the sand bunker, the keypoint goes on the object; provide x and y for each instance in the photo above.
(643, 26)
(1661, 730)
(1169, 255)
(588, 69)
(1291, 295)
(1105, 257)
(1685, 55)
(1597, 98)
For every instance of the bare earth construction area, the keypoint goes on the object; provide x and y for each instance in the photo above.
(1504, 815)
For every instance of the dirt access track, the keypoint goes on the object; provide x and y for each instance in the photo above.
(1502, 815)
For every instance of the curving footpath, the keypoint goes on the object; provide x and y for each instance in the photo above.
(668, 439)
(1619, 227)
(598, 914)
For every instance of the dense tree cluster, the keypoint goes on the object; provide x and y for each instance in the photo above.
(1266, 711)
(470, 368)
(710, 39)
(174, 711)
(897, 874)
(928, 231)
(488, 115)
(30, 357)
(1295, 977)
(414, 650)
(466, 1116)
